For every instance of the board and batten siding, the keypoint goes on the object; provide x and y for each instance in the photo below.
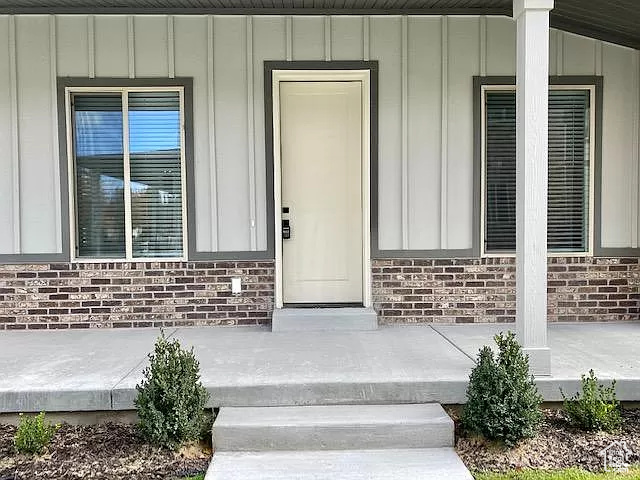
(426, 65)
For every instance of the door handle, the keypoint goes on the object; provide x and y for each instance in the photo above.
(286, 230)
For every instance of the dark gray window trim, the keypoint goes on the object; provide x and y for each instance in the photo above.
(186, 83)
(597, 82)
(372, 66)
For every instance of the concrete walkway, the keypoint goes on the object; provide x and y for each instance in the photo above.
(89, 370)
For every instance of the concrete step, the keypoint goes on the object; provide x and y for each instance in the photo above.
(344, 427)
(296, 319)
(403, 464)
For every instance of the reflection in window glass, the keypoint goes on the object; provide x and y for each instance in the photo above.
(154, 162)
(156, 189)
(99, 176)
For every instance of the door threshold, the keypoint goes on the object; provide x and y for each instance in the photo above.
(324, 305)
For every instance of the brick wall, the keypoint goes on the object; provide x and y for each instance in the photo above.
(92, 295)
(483, 290)
(143, 294)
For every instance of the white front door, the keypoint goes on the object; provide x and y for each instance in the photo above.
(321, 162)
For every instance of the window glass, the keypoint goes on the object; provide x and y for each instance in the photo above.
(99, 176)
(156, 188)
(568, 163)
(152, 164)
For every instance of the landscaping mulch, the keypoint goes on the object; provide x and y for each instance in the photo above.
(101, 452)
(558, 445)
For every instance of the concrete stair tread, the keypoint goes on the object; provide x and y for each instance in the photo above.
(332, 415)
(338, 427)
(387, 464)
(317, 319)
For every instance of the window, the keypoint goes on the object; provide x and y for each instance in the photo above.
(569, 206)
(128, 173)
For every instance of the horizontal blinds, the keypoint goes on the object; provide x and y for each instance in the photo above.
(568, 183)
(155, 174)
(99, 176)
(156, 185)
(568, 207)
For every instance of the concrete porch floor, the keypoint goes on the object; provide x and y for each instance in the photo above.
(97, 370)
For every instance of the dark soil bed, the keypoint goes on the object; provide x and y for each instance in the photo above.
(558, 445)
(109, 451)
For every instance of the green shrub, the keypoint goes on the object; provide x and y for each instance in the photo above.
(34, 433)
(503, 402)
(171, 399)
(596, 408)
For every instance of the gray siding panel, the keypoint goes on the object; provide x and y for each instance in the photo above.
(6, 159)
(230, 176)
(424, 132)
(39, 210)
(231, 133)
(268, 44)
(385, 47)
(191, 60)
(346, 38)
(308, 38)
(463, 61)
(111, 46)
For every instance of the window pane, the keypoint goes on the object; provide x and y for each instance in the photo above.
(568, 184)
(156, 187)
(99, 176)
(500, 214)
(568, 208)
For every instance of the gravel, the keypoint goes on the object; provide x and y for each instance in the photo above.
(558, 445)
(108, 451)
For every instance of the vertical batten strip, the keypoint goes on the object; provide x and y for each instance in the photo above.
(365, 38)
(131, 46)
(53, 109)
(637, 87)
(559, 53)
(327, 38)
(598, 57)
(171, 48)
(251, 148)
(213, 173)
(635, 164)
(15, 136)
(444, 141)
(483, 45)
(91, 45)
(405, 134)
(288, 28)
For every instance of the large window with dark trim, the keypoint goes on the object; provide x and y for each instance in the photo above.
(127, 173)
(569, 165)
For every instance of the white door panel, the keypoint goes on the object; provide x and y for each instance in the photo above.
(321, 152)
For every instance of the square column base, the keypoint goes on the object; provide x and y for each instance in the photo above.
(539, 361)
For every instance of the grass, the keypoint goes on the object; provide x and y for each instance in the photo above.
(569, 474)
(197, 477)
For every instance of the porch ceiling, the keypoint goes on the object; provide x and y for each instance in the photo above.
(614, 21)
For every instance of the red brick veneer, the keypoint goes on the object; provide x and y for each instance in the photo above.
(140, 294)
(483, 290)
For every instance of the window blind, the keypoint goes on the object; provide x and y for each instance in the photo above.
(155, 172)
(99, 176)
(156, 179)
(568, 162)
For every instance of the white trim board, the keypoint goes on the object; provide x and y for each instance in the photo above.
(364, 77)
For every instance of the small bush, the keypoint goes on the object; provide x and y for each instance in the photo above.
(34, 433)
(171, 399)
(503, 402)
(596, 408)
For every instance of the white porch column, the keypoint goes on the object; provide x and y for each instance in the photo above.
(531, 179)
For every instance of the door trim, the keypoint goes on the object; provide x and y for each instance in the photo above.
(329, 75)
